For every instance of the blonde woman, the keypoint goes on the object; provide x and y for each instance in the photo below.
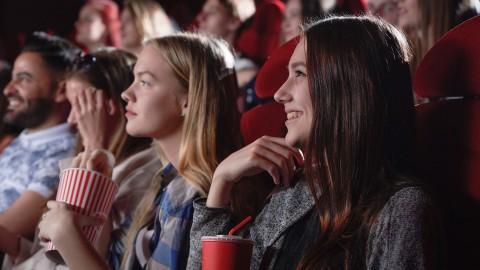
(182, 97)
(142, 20)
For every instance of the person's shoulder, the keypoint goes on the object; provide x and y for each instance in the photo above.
(408, 205)
(180, 193)
(406, 225)
(409, 197)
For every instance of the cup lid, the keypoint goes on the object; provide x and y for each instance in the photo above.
(227, 238)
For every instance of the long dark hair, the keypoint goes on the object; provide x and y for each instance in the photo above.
(360, 144)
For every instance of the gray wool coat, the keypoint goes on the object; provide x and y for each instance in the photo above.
(406, 234)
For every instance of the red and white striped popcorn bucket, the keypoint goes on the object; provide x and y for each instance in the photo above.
(88, 193)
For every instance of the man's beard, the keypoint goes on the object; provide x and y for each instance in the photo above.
(35, 114)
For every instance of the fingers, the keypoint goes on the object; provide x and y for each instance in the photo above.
(296, 152)
(112, 107)
(45, 221)
(89, 100)
(76, 161)
(59, 221)
(56, 204)
(82, 102)
(99, 161)
(276, 161)
(99, 99)
(280, 156)
(71, 117)
(83, 159)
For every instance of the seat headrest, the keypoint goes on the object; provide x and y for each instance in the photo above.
(452, 66)
(274, 72)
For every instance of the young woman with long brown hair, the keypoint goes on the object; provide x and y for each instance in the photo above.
(354, 204)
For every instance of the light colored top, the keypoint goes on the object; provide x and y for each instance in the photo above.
(30, 162)
(133, 176)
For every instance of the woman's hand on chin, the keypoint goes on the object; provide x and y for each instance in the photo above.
(268, 154)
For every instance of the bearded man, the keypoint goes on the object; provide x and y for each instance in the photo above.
(36, 101)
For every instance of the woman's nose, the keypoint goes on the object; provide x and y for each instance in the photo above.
(282, 95)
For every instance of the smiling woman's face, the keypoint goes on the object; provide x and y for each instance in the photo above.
(295, 96)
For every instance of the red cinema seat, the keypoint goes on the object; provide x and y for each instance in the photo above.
(448, 136)
(262, 36)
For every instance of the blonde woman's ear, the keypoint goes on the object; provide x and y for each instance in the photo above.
(184, 107)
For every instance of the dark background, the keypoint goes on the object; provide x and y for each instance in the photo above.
(19, 18)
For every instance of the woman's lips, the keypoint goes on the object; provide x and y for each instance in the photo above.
(129, 113)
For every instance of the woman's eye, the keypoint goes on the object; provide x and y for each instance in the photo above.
(144, 83)
(23, 79)
(299, 73)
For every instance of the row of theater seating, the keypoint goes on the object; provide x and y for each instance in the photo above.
(448, 137)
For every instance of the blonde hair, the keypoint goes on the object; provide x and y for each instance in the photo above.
(204, 67)
(149, 18)
(435, 19)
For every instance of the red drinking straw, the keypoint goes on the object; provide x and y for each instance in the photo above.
(239, 225)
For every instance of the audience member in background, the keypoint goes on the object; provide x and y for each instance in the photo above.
(37, 101)
(354, 205)
(224, 18)
(98, 25)
(296, 12)
(181, 96)
(424, 22)
(94, 86)
(465, 9)
(7, 132)
(142, 20)
(386, 9)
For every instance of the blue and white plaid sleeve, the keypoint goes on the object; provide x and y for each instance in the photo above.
(170, 242)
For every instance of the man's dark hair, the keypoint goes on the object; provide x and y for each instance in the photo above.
(58, 53)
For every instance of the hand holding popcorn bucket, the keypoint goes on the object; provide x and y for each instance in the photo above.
(89, 193)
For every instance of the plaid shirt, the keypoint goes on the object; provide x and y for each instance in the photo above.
(167, 245)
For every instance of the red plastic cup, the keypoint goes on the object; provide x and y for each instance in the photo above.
(226, 252)
(89, 193)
